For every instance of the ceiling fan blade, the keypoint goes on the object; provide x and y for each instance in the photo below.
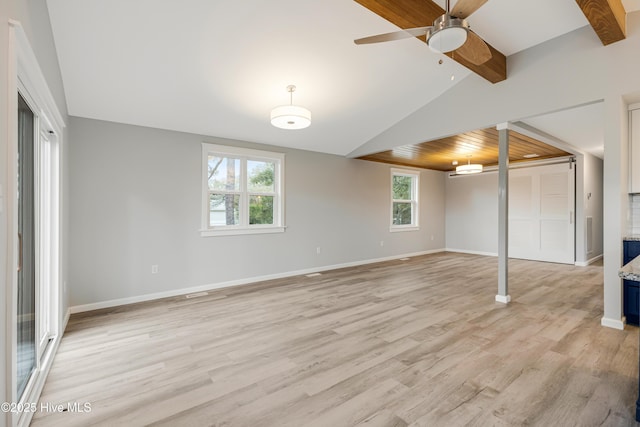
(396, 35)
(475, 50)
(465, 8)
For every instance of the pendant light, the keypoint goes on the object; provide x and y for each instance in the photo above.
(290, 116)
(469, 168)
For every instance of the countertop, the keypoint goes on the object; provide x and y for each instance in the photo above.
(631, 270)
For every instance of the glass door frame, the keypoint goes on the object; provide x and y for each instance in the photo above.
(46, 237)
(26, 78)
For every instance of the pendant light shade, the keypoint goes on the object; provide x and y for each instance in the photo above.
(469, 168)
(290, 116)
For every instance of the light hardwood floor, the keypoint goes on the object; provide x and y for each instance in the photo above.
(419, 342)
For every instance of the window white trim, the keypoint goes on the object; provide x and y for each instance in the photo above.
(244, 154)
(415, 186)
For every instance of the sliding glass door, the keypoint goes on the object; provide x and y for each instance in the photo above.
(34, 227)
(38, 256)
(26, 292)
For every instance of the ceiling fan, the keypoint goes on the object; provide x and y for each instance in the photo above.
(449, 32)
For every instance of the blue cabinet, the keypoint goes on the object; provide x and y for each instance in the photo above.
(631, 305)
(631, 249)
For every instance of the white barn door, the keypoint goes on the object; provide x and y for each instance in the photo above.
(541, 213)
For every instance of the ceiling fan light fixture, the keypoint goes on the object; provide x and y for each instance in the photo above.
(290, 116)
(447, 34)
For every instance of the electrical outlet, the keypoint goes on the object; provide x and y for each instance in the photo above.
(318, 250)
(432, 237)
(154, 269)
(381, 242)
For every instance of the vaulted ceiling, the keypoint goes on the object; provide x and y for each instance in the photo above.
(218, 68)
(607, 17)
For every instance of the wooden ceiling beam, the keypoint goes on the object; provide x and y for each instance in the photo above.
(420, 13)
(607, 17)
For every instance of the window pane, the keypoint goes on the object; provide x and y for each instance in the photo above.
(224, 209)
(261, 209)
(224, 173)
(402, 187)
(402, 213)
(261, 175)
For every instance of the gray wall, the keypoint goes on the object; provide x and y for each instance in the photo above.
(135, 202)
(472, 200)
(593, 203)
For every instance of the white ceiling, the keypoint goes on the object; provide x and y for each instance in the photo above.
(583, 125)
(218, 67)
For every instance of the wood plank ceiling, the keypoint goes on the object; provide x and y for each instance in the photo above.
(481, 145)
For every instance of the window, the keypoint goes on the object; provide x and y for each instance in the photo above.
(404, 199)
(242, 191)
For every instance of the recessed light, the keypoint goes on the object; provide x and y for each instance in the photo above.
(454, 163)
(530, 156)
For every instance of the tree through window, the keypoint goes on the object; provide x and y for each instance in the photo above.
(404, 199)
(243, 190)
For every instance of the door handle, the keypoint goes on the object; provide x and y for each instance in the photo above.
(19, 252)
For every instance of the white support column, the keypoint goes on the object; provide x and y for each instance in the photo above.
(616, 206)
(503, 214)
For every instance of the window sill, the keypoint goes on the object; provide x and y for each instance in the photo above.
(240, 231)
(404, 228)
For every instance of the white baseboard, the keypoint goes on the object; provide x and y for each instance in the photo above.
(504, 299)
(65, 321)
(239, 282)
(464, 251)
(614, 323)
(590, 261)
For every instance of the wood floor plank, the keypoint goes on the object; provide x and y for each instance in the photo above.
(417, 342)
(361, 406)
(331, 377)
